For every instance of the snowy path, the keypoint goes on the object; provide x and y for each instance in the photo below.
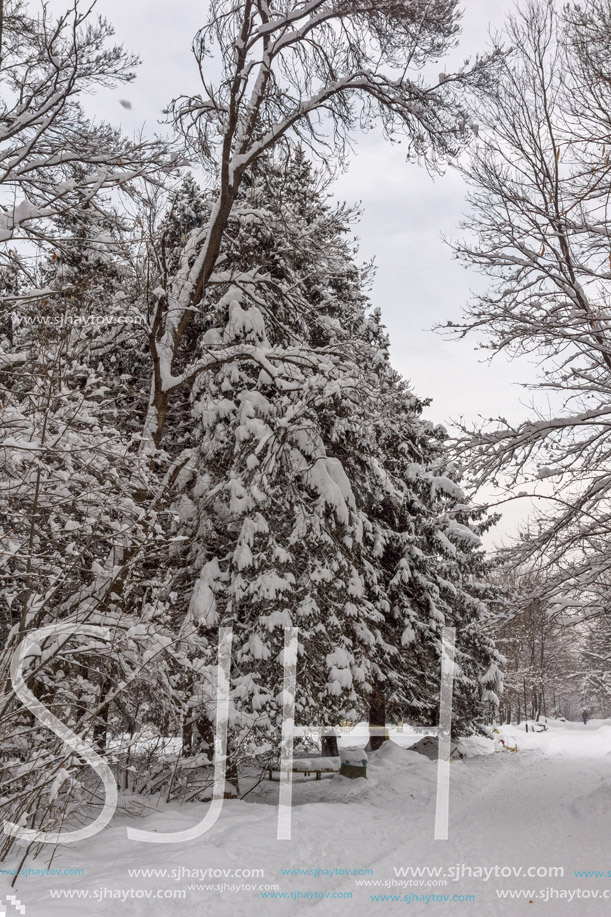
(549, 805)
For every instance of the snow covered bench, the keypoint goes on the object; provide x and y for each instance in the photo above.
(315, 765)
(536, 726)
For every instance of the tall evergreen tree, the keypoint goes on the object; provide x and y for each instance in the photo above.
(322, 499)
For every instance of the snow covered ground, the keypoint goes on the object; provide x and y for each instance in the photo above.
(548, 805)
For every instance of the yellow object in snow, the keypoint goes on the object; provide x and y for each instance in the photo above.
(508, 747)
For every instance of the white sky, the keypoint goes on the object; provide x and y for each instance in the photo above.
(405, 213)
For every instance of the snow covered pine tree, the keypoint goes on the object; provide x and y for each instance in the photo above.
(324, 502)
(300, 75)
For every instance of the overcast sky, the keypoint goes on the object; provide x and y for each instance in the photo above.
(405, 213)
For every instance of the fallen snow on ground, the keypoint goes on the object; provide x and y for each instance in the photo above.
(546, 805)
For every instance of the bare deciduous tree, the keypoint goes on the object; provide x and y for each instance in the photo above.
(51, 155)
(539, 227)
(308, 74)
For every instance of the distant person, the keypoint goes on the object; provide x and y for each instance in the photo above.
(584, 717)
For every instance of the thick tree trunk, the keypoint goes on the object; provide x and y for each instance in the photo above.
(377, 718)
(161, 397)
(329, 747)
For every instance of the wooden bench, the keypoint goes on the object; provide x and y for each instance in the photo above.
(309, 766)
